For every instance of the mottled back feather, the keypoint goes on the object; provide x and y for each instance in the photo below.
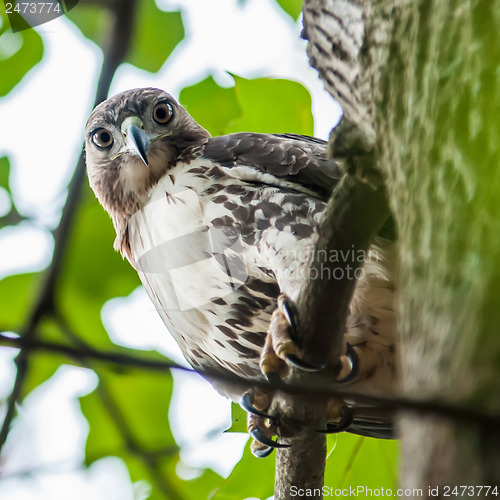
(298, 159)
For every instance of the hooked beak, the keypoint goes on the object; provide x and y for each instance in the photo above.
(137, 140)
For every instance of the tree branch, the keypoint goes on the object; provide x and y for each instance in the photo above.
(352, 219)
(321, 388)
(354, 214)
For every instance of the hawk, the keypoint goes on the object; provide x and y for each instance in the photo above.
(221, 231)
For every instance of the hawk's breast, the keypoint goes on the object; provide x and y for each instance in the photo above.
(204, 246)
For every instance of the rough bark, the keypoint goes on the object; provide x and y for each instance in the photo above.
(421, 78)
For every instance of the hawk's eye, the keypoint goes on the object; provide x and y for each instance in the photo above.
(162, 112)
(102, 138)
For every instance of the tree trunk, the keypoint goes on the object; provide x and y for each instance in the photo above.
(421, 80)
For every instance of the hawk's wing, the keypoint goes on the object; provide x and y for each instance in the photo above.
(293, 162)
(372, 421)
(299, 160)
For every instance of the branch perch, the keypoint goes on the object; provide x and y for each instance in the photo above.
(354, 215)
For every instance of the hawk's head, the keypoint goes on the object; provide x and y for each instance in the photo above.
(130, 141)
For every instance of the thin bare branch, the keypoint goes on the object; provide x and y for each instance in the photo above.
(322, 388)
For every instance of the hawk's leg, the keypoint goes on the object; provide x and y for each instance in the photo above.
(280, 348)
(260, 425)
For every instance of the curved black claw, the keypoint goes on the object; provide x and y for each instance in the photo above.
(346, 419)
(261, 438)
(288, 309)
(274, 378)
(303, 365)
(247, 404)
(262, 452)
(354, 359)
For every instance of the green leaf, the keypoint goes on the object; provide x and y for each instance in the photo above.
(239, 419)
(251, 477)
(160, 474)
(41, 367)
(203, 486)
(93, 273)
(43, 364)
(127, 415)
(83, 314)
(17, 294)
(10, 216)
(156, 32)
(132, 402)
(19, 52)
(273, 106)
(260, 105)
(292, 7)
(359, 461)
(213, 107)
(200, 487)
(4, 173)
(156, 36)
(93, 267)
(92, 20)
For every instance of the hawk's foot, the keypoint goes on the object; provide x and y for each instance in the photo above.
(350, 365)
(280, 347)
(339, 416)
(256, 402)
(262, 431)
(261, 426)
